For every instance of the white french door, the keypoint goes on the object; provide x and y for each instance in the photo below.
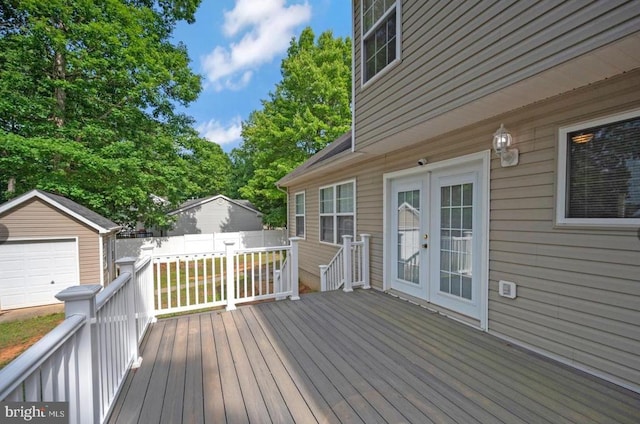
(408, 223)
(437, 234)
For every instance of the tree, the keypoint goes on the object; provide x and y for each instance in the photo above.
(88, 91)
(309, 108)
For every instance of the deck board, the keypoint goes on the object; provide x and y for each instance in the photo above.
(388, 400)
(173, 401)
(353, 358)
(234, 404)
(536, 380)
(452, 368)
(211, 385)
(193, 410)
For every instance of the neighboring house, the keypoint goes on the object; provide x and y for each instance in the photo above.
(215, 214)
(433, 82)
(48, 243)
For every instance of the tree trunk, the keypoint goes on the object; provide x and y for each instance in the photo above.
(11, 185)
(59, 74)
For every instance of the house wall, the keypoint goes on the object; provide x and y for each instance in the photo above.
(454, 53)
(578, 288)
(216, 216)
(36, 219)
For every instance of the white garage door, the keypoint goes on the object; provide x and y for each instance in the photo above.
(33, 272)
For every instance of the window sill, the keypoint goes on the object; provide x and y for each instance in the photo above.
(379, 75)
(604, 224)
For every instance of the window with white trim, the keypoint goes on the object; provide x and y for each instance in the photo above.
(599, 172)
(380, 35)
(337, 212)
(300, 208)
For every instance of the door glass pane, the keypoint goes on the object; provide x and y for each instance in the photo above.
(408, 225)
(456, 240)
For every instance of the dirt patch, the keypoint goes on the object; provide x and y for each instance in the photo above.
(9, 353)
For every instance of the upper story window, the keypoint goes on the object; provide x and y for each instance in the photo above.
(380, 35)
(337, 212)
(599, 172)
(300, 214)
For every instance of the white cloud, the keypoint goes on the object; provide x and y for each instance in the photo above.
(216, 132)
(265, 28)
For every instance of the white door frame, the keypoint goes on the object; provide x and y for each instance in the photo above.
(484, 159)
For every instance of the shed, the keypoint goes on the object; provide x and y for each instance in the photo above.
(49, 242)
(215, 214)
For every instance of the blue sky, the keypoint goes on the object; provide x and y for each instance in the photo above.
(237, 46)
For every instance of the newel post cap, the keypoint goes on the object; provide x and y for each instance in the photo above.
(80, 292)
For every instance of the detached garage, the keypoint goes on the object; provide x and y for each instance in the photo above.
(48, 243)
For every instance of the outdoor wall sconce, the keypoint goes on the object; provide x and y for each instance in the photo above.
(501, 142)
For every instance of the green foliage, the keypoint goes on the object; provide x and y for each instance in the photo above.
(88, 91)
(309, 108)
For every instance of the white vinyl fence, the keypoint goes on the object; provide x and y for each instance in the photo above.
(201, 243)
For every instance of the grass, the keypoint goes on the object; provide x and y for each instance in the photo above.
(18, 336)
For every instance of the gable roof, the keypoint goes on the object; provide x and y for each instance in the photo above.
(332, 150)
(192, 203)
(68, 206)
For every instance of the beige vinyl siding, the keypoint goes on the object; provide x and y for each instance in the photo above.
(36, 219)
(454, 53)
(578, 288)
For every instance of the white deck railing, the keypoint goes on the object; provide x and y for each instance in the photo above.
(190, 282)
(84, 360)
(349, 267)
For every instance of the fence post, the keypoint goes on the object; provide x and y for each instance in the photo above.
(295, 284)
(323, 277)
(347, 263)
(366, 276)
(146, 250)
(231, 301)
(129, 265)
(81, 300)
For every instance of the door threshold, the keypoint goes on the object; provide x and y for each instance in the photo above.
(472, 322)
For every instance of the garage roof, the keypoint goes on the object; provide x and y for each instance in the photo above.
(68, 206)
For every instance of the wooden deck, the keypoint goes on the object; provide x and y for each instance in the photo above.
(362, 357)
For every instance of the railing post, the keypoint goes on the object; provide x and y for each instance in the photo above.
(81, 300)
(348, 263)
(323, 277)
(295, 284)
(128, 264)
(366, 276)
(231, 301)
(146, 251)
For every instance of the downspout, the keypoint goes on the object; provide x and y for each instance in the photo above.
(353, 77)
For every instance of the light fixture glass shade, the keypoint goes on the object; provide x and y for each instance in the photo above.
(501, 139)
